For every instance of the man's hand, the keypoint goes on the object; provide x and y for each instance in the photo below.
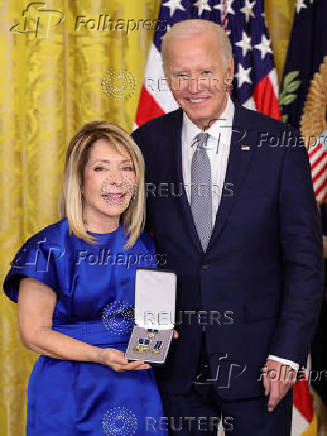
(324, 241)
(278, 378)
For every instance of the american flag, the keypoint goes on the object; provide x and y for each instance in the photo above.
(255, 86)
(318, 161)
(304, 98)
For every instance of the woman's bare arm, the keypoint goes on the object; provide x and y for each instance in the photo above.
(36, 303)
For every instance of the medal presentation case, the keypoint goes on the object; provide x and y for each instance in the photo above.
(155, 295)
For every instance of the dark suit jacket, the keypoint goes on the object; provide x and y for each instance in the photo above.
(262, 271)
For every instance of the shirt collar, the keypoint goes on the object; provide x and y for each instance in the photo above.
(225, 120)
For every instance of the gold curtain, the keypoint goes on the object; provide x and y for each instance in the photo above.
(51, 76)
(280, 15)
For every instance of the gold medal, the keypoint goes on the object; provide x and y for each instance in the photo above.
(152, 333)
(156, 348)
(143, 346)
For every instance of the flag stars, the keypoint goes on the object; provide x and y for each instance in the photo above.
(247, 10)
(243, 75)
(300, 5)
(264, 47)
(244, 43)
(220, 7)
(229, 9)
(174, 5)
(202, 5)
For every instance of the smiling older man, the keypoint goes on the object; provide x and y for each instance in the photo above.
(237, 220)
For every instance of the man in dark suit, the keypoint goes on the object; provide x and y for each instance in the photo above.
(230, 202)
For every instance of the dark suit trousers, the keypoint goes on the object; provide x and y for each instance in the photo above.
(199, 411)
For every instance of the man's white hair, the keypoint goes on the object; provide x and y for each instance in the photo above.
(193, 28)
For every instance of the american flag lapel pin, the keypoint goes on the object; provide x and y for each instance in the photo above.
(245, 147)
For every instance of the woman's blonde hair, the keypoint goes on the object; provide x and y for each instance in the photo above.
(71, 201)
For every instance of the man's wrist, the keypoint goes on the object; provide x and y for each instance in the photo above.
(288, 362)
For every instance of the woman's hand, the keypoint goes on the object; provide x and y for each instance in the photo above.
(117, 360)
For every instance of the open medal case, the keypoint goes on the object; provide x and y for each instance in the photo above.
(155, 296)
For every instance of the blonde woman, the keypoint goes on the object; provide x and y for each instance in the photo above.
(74, 284)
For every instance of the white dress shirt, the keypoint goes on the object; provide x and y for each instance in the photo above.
(218, 148)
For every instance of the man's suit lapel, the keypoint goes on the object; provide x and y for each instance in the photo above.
(241, 152)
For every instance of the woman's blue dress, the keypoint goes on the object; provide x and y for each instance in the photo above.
(95, 299)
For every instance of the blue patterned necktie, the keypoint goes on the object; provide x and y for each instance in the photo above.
(201, 195)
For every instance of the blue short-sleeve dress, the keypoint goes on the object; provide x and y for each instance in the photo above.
(95, 299)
